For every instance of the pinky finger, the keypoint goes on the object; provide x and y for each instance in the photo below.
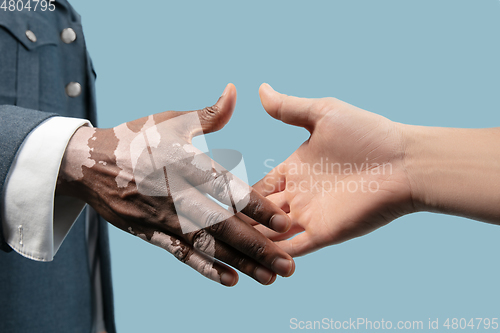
(300, 245)
(279, 199)
(197, 260)
(276, 236)
(273, 182)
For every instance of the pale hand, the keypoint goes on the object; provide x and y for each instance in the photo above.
(345, 181)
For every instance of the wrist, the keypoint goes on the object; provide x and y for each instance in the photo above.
(415, 163)
(77, 164)
(453, 170)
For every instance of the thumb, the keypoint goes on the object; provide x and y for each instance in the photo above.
(289, 109)
(213, 118)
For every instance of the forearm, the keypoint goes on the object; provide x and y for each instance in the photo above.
(454, 171)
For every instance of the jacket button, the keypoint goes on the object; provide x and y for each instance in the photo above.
(68, 35)
(73, 89)
(31, 35)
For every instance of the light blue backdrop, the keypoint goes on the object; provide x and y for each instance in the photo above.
(419, 62)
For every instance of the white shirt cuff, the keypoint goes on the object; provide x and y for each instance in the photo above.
(35, 222)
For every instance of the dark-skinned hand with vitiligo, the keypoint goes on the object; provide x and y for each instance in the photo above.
(146, 178)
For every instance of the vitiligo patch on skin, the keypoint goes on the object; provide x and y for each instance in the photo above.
(82, 157)
(237, 192)
(198, 261)
(240, 192)
(149, 172)
(163, 164)
(125, 149)
(198, 161)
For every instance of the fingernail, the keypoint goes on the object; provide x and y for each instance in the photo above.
(225, 91)
(280, 223)
(227, 279)
(263, 275)
(282, 266)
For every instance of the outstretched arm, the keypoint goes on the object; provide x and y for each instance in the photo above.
(359, 171)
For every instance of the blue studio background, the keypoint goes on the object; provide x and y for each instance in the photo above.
(419, 62)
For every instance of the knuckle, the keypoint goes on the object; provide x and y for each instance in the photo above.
(242, 263)
(220, 187)
(180, 199)
(256, 210)
(210, 111)
(258, 251)
(202, 241)
(332, 100)
(182, 253)
(328, 103)
(326, 107)
(217, 228)
(205, 268)
(213, 219)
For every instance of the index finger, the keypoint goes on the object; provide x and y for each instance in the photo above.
(230, 229)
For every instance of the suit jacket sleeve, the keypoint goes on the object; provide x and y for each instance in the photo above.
(15, 124)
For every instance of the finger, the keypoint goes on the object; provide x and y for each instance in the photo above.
(274, 181)
(254, 244)
(200, 262)
(280, 200)
(215, 117)
(246, 219)
(278, 236)
(205, 243)
(192, 123)
(255, 206)
(210, 177)
(289, 109)
(189, 124)
(271, 234)
(300, 245)
(229, 229)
